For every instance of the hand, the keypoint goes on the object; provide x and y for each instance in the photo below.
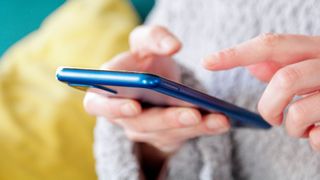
(151, 49)
(291, 64)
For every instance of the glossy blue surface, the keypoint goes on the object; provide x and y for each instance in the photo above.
(100, 78)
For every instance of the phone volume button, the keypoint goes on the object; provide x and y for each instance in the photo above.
(170, 86)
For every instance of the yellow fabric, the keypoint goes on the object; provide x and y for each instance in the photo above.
(44, 131)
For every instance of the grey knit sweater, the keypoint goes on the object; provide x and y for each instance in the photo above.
(206, 26)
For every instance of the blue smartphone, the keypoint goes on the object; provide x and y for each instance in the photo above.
(129, 84)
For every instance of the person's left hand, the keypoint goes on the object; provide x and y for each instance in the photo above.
(291, 64)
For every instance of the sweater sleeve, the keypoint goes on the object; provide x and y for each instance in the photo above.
(114, 153)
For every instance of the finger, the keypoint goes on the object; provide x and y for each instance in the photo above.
(309, 93)
(211, 125)
(153, 40)
(303, 114)
(314, 138)
(99, 105)
(125, 61)
(285, 84)
(280, 49)
(264, 70)
(157, 119)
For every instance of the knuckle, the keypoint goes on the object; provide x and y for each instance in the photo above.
(286, 77)
(226, 54)
(269, 39)
(297, 112)
(230, 52)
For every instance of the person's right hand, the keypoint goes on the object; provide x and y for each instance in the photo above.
(151, 49)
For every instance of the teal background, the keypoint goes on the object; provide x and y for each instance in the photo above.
(20, 17)
(143, 7)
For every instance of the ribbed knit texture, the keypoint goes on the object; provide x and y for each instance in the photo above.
(205, 27)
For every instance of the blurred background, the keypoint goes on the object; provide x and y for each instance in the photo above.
(18, 18)
(44, 131)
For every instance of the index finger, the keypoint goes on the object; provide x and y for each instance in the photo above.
(280, 49)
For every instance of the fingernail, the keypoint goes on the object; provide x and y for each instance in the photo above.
(168, 43)
(129, 109)
(188, 118)
(215, 124)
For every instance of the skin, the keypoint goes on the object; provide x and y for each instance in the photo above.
(291, 66)
(151, 50)
(289, 63)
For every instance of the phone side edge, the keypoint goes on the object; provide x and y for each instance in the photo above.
(208, 102)
(107, 78)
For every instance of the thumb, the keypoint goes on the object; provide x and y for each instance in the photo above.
(153, 40)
